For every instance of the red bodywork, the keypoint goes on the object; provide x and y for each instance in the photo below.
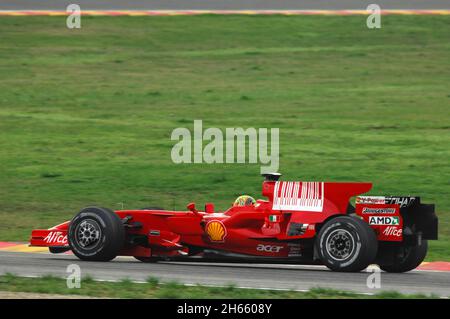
(282, 226)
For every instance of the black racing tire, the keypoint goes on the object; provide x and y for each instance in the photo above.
(406, 258)
(96, 234)
(346, 244)
(148, 259)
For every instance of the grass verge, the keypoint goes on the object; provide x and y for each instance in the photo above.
(153, 289)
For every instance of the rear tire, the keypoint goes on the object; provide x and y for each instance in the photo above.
(406, 258)
(346, 244)
(96, 234)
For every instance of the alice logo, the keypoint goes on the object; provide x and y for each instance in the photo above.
(234, 146)
(216, 231)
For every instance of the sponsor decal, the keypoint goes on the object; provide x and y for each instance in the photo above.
(392, 231)
(269, 248)
(370, 200)
(378, 211)
(298, 196)
(216, 231)
(402, 201)
(295, 250)
(396, 200)
(56, 238)
(274, 218)
(384, 220)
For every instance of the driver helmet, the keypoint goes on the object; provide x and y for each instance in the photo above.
(244, 200)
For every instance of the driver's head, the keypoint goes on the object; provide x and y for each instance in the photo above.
(244, 200)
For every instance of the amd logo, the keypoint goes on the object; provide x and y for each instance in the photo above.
(384, 220)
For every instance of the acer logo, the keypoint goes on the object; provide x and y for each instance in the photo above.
(56, 238)
(269, 248)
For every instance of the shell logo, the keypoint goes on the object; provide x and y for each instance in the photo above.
(216, 231)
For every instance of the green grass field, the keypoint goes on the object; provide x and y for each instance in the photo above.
(86, 115)
(153, 289)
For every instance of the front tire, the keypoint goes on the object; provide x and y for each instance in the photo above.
(96, 234)
(405, 258)
(346, 244)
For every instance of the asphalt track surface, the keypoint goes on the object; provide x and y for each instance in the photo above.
(222, 4)
(265, 276)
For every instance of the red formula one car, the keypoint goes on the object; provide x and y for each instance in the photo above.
(299, 222)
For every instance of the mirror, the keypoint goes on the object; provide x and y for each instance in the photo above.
(209, 208)
(191, 207)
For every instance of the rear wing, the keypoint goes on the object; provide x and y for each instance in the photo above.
(420, 218)
(415, 219)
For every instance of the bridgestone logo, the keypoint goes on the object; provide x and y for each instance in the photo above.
(378, 211)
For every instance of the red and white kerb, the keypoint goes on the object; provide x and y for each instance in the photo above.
(298, 196)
